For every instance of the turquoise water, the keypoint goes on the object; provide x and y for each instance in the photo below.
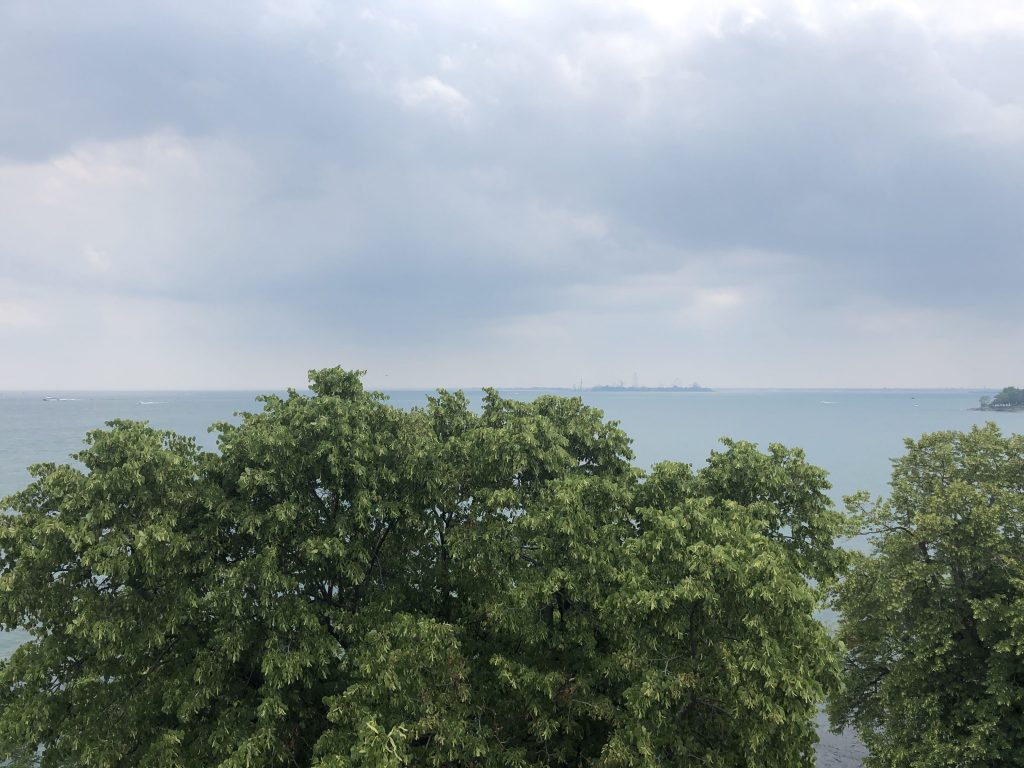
(852, 434)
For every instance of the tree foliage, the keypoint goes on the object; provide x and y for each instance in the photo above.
(347, 584)
(1010, 396)
(933, 618)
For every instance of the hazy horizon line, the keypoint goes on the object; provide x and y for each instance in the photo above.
(500, 387)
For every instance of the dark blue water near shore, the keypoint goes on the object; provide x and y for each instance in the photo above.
(853, 434)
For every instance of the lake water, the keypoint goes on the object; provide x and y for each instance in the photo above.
(853, 434)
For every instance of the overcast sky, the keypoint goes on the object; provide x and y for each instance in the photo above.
(226, 194)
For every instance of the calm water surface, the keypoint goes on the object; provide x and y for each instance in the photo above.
(853, 434)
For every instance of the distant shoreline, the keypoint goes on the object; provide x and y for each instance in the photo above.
(610, 388)
(86, 393)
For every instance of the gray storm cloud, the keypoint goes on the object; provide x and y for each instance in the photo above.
(749, 193)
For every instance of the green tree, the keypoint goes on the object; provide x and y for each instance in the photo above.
(933, 618)
(347, 584)
(1009, 397)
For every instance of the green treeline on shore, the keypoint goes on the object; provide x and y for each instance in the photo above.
(1008, 399)
(346, 584)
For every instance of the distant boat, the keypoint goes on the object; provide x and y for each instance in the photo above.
(51, 399)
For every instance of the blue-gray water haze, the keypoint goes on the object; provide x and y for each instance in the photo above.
(854, 434)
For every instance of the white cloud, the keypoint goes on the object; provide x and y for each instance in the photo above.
(623, 170)
(432, 93)
(294, 12)
(156, 201)
(19, 315)
(951, 17)
(97, 260)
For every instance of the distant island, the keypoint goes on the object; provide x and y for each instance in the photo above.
(695, 387)
(1010, 399)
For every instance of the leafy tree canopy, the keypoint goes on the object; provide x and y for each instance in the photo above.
(347, 584)
(1010, 396)
(933, 618)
